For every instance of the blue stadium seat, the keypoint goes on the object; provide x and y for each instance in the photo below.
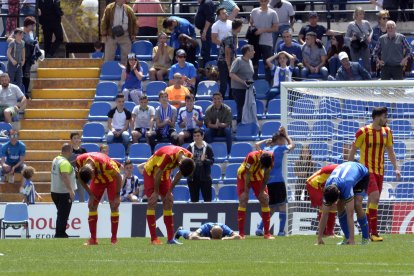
(292, 178)
(181, 193)
(230, 176)
(220, 151)
(389, 175)
(298, 130)
(400, 150)
(153, 88)
(5, 127)
(268, 129)
(354, 109)
(241, 43)
(273, 109)
(3, 50)
(213, 195)
(203, 104)
(106, 91)
(322, 130)
(136, 172)
(295, 153)
(227, 193)
(233, 107)
(216, 173)
(99, 111)
(346, 130)
(319, 151)
(206, 89)
(329, 109)
(404, 191)
(93, 133)
(261, 74)
(260, 109)
(239, 151)
(211, 63)
(262, 87)
(304, 109)
(90, 147)
(98, 55)
(139, 153)
(401, 129)
(403, 111)
(111, 71)
(154, 104)
(336, 155)
(117, 152)
(142, 49)
(129, 106)
(160, 145)
(247, 132)
(145, 69)
(407, 171)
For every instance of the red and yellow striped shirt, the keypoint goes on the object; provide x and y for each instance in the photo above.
(166, 158)
(252, 164)
(372, 144)
(105, 168)
(316, 183)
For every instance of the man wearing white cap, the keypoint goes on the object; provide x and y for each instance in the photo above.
(350, 70)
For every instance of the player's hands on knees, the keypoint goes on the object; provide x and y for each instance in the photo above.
(320, 242)
(168, 199)
(91, 202)
(152, 200)
(244, 196)
(263, 197)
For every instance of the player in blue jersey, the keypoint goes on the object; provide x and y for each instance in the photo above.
(346, 186)
(276, 184)
(208, 231)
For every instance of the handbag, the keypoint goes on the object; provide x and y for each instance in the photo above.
(358, 43)
(118, 30)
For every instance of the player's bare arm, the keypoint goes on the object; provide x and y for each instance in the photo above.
(322, 223)
(351, 155)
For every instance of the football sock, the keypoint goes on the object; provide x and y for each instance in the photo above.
(344, 224)
(152, 226)
(363, 223)
(92, 221)
(373, 218)
(241, 216)
(260, 225)
(184, 233)
(330, 226)
(266, 219)
(114, 224)
(169, 224)
(282, 221)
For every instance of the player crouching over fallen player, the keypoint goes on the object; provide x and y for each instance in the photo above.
(208, 231)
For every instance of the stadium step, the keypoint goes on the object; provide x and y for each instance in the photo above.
(45, 144)
(61, 103)
(52, 124)
(40, 165)
(56, 113)
(11, 197)
(70, 63)
(41, 134)
(80, 83)
(41, 155)
(66, 93)
(71, 73)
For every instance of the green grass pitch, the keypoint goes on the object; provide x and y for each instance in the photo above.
(294, 255)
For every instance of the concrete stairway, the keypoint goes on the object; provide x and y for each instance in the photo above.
(61, 98)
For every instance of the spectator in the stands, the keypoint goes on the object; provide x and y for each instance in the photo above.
(30, 43)
(282, 72)
(218, 119)
(359, 32)
(13, 13)
(16, 55)
(77, 149)
(130, 189)
(241, 74)
(314, 57)
(50, 17)
(143, 120)
(132, 76)
(148, 25)
(190, 117)
(314, 27)
(337, 46)
(186, 69)
(162, 57)
(12, 99)
(119, 119)
(12, 157)
(221, 28)
(351, 70)
(293, 48)
(165, 118)
(266, 22)
(379, 30)
(203, 21)
(177, 92)
(231, 8)
(118, 27)
(177, 25)
(98, 54)
(4, 10)
(28, 8)
(189, 45)
(286, 15)
(392, 53)
(226, 55)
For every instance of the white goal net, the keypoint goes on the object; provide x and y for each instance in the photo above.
(322, 118)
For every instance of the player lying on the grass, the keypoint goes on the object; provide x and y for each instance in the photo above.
(157, 182)
(276, 185)
(315, 185)
(208, 231)
(346, 186)
(103, 173)
(254, 173)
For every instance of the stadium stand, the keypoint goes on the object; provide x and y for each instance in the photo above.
(206, 89)
(139, 153)
(220, 151)
(153, 88)
(142, 49)
(117, 152)
(181, 193)
(228, 192)
(111, 71)
(90, 147)
(239, 151)
(93, 133)
(106, 91)
(99, 111)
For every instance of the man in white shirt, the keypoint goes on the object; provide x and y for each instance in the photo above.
(221, 28)
(143, 121)
(118, 122)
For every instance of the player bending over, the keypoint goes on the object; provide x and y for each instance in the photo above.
(208, 231)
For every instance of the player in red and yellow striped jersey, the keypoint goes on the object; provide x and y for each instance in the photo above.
(103, 173)
(372, 141)
(315, 185)
(254, 173)
(157, 182)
